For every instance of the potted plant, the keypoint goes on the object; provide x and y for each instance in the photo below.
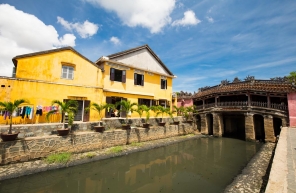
(188, 113)
(140, 110)
(147, 117)
(127, 106)
(10, 107)
(161, 110)
(171, 114)
(99, 108)
(69, 107)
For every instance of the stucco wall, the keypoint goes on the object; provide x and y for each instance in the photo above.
(292, 108)
(186, 103)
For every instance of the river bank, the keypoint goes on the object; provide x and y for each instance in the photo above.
(249, 180)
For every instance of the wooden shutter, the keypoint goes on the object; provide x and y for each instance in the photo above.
(142, 83)
(112, 74)
(123, 114)
(86, 113)
(108, 111)
(135, 79)
(123, 76)
(166, 84)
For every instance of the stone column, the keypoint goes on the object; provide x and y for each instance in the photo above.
(249, 127)
(216, 101)
(268, 129)
(218, 125)
(203, 124)
(284, 122)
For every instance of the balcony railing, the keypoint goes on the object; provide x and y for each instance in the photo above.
(245, 104)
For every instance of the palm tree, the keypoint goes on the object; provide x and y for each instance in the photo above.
(147, 112)
(97, 107)
(69, 106)
(10, 107)
(140, 110)
(179, 110)
(162, 110)
(126, 106)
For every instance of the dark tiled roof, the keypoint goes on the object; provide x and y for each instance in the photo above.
(14, 60)
(256, 85)
(112, 56)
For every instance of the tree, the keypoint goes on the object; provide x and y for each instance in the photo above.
(140, 110)
(69, 107)
(98, 108)
(10, 107)
(162, 110)
(126, 106)
(292, 77)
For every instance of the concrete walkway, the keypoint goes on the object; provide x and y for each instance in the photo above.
(282, 177)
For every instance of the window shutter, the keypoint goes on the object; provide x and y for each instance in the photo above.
(135, 79)
(166, 84)
(107, 111)
(142, 83)
(123, 76)
(112, 74)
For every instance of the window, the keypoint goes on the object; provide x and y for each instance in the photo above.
(146, 102)
(117, 75)
(163, 83)
(139, 79)
(67, 72)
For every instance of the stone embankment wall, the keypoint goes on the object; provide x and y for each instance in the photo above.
(37, 147)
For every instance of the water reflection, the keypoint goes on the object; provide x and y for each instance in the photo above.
(200, 165)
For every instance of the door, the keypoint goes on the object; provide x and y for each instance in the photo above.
(108, 111)
(123, 113)
(86, 113)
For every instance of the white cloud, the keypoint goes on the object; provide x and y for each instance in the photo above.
(152, 14)
(115, 40)
(188, 19)
(86, 29)
(22, 33)
(210, 19)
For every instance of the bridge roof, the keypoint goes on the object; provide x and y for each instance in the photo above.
(269, 86)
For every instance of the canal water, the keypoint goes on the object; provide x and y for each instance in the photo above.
(205, 165)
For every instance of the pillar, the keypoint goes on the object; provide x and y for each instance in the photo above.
(203, 124)
(284, 122)
(249, 99)
(268, 129)
(249, 127)
(268, 101)
(216, 97)
(218, 124)
(203, 104)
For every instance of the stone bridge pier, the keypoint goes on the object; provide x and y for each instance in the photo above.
(253, 126)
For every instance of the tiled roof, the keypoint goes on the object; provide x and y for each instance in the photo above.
(256, 85)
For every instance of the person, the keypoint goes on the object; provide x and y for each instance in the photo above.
(116, 113)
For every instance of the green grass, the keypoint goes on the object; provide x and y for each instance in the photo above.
(58, 158)
(90, 155)
(136, 144)
(116, 149)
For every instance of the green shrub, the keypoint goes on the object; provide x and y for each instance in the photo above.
(136, 144)
(90, 155)
(58, 158)
(116, 149)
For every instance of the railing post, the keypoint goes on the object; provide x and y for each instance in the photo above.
(268, 101)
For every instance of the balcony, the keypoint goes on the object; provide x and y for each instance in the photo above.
(282, 107)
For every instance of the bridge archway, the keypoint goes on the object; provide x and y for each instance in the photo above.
(234, 126)
(277, 123)
(209, 119)
(198, 122)
(259, 127)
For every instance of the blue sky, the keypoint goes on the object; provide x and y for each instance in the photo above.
(201, 42)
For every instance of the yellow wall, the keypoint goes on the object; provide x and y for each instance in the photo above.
(86, 85)
(151, 86)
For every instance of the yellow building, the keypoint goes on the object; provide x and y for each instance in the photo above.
(57, 74)
(137, 75)
(61, 74)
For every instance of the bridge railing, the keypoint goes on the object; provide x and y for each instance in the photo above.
(245, 104)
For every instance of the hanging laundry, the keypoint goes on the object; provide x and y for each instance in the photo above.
(23, 112)
(39, 110)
